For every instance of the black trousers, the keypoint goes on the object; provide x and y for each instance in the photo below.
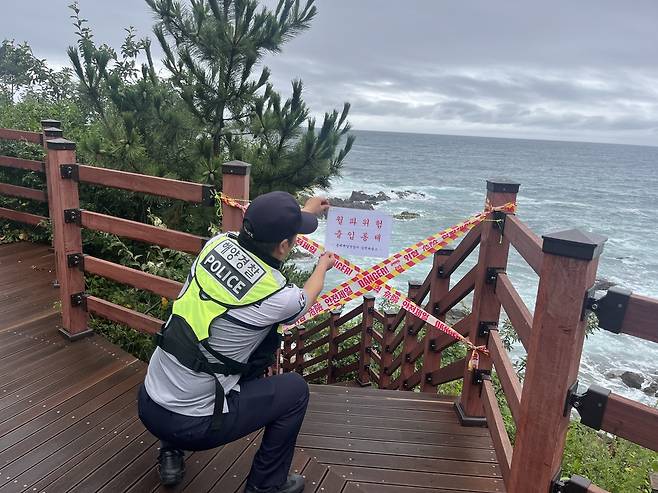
(277, 403)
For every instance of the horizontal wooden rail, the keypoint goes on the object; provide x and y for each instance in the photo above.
(308, 333)
(314, 345)
(631, 420)
(347, 334)
(463, 250)
(353, 313)
(378, 337)
(20, 135)
(374, 376)
(528, 244)
(27, 164)
(448, 373)
(146, 233)
(23, 192)
(641, 319)
(416, 353)
(458, 292)
(518, 313)
(132, 277)
(395, 364)
(499, 436)
(21, 217)
(443, 341)
(316, 375)
(508, 377)
(123, 315)
(153, 185)
(397, 340)
(314, 361)
(376, 357)
(411, 382)
(348, 352)
(344, 370)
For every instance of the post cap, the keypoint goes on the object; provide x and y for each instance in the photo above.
(51, 123)
(444, 251)
(502, 185)
(574, 243)
(236, 168)
(336, 311)
(391, 312)
(368, 296)
(415, 283)
(61, 144)
(53, 132)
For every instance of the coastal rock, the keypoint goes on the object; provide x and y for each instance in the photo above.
(456, 314)
(406, 215)
(403, 194)
(603, 284)
(350, 204)
(651, 389)
(632, 379)
(361, 196)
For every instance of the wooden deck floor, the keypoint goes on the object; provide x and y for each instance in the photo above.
(68, 418)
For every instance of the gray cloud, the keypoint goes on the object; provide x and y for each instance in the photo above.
(581, 70)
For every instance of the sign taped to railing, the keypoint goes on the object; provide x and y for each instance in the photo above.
(358, 232)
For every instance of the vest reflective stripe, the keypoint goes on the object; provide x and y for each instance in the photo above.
(225, 276)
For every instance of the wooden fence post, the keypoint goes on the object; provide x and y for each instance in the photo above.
(299, 351)
(287, 351)
(333, 345)
(568, 270)
(50, 129)
(492, 259)
(439, 287)
(68, 238)
(410, 341)
(387, 348)
(235, 185)
(363, 377)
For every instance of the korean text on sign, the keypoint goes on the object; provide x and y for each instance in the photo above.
(358, 232)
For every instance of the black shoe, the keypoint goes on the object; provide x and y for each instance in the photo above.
(171, 465)
(294, 484)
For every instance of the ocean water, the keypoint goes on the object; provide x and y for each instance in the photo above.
(608, 189)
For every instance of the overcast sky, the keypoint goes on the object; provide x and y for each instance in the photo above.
(567, 70)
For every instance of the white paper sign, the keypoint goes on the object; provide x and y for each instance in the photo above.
(358, 232)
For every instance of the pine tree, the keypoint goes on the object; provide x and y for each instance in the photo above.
(212, 50)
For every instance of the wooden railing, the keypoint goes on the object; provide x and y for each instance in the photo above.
(391, 349)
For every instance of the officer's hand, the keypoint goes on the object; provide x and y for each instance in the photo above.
(316, 205)
(326, 261)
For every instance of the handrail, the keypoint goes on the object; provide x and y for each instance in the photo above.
(516, 310)
(153, 185)
(26, 164)
(20, 135)
(458, 292)
(146, 233)
(524, 241)
(501, 441)
(312, 362)
(641, 318)
(23, 192)
(631, 420)
(123, 315)
(22, 217)
(463, 250)
(348, 352)
(505, 371)
(132, 277)
(448, 373)
(348, 333)
(444, 341)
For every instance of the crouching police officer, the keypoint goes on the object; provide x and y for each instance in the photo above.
(201, 389)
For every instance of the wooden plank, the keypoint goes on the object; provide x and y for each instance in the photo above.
(448, 373)
(641, 319)
(314, 345)
(122, 315)
(146, 233)
(314, 361)
(230, 481)
(347, 352)
(517, 311)
(20, 135)
(509, 380)
(317, 375)
(22, 217)
(132, 277)
(388, 402)
(348, 333)
(471, 484)
(403, 463)
(26, 164)
(443, 341)
(23, 192)
(463, 250)
(341, 371)
(631, 420)
(376, 411)
(499, 435)
(379, 393)
(135, 182)
(386, 488)
(524, 241)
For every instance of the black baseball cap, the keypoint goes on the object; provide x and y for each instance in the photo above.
(275, 216)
